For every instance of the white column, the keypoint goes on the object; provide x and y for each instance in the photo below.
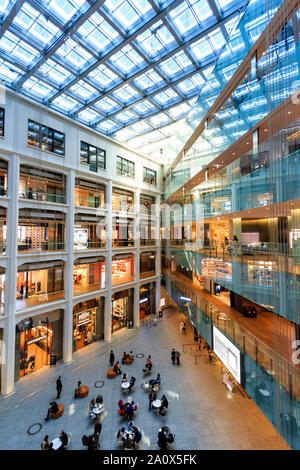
(136, 299)
(108, 264)
(68, 314)
(8, 368)
(158, 254)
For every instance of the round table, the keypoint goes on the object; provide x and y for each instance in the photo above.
(97, 410)
(56, 443)
(125, 385)
(156, 404)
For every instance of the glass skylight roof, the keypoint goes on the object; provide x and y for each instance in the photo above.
(106, 69)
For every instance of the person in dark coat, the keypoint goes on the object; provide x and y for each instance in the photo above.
(98, 427)
(164, 404)
(173, 356)
(53, 409)
(58, 387)
(64, 440)
(152, 398)
(111, 358)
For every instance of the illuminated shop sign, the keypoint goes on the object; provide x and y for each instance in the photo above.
(35, 340)
(186, 299)
(144, 300)
(83, 317)
(227, 353)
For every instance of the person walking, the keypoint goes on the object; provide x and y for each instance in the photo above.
(58, 387)
(173, 356)
(111, 358)
(152, 398)
(177, 355)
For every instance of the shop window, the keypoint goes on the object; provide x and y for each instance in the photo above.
(89, 194)
(122, 200)
(92, 156)
(41, 185)
(45, 138)
(2, 114)
(125, 167)
(149, 176)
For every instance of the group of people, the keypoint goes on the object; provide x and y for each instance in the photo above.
(131, 381)
(127, 356)
(164, 402)
(47, 445)
(130, 436)
(127, 409)
(96, 407)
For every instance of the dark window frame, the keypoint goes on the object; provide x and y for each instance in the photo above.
(49, 131)
(125, 167)
(149, 175)
(100, 157)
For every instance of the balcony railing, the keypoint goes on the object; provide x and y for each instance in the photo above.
(37, 299)
(82, 202)
(79, 290)
(40, 195)
(91, 245)
(42, 246)
(117, 243)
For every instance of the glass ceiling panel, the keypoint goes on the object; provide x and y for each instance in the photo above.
(8, 72)
(128, 12)
(149, 80)
(155, 39)
(126, 59)
(98, 33)
(103, 76)
(164, 74)
(17, 48)
(74, 54)
(55, 72)
(35, 86)
(65, 9)
(35, 24)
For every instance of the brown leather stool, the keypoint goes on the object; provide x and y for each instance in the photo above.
(60, 412)
(111, 373)
(83, 391)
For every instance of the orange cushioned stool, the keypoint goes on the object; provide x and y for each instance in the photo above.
(129, 360)
(59, 413)
(111, 373)
(83, 392)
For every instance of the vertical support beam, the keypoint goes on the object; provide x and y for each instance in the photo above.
(136, 302)
(158, 254)
(68, 314)
(8, 368)
(108, 264)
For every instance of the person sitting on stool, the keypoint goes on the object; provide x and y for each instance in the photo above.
(117, 368)
(77, 389)
(53, 409)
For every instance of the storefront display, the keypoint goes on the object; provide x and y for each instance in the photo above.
(88, 277)
(37, 338)
(119, 308)
(122, 269)
(84, 322)
(40, 282)
(147, 299)
(214, 268)
(261, 271)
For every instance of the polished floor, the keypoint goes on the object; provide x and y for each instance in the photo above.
(202, 413)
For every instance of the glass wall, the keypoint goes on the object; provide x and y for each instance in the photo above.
(89, 194)
(39, 283)
(41, 230)
(122, 200)
(41, 185)
(85, 233)
(147, 264)
(88, 275)
(122, 268)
